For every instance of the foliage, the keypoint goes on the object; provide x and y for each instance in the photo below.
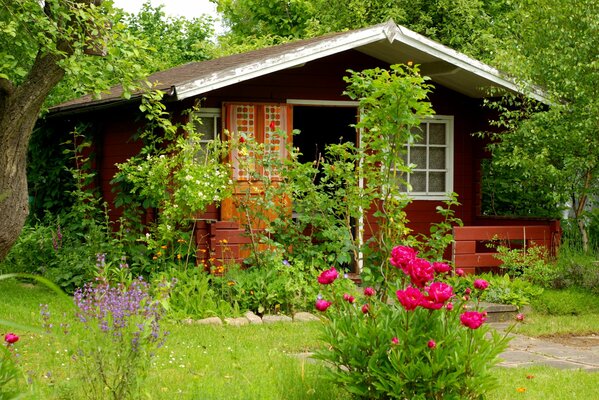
(173, 173)
(425, 345)
(530, 263)
(280, 286)
(194, 295)
(508, 192)
(172, 40)
(569, 301)
(574, 268)
(465, 26)
(555, 148)
(119, 331)
(504, 289)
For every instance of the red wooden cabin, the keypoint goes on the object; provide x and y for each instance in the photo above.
(299, 85)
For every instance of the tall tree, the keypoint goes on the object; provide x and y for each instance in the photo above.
(467, 26)
(554, 44)
(41, 42)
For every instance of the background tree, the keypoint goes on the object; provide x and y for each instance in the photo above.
(554, 44)
(466, 26)
(41, 42)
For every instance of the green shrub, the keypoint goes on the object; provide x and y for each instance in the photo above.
(280, 286)
(575, 268)
(506, 290)
(571, 301)
(529, 263)
(192, 294)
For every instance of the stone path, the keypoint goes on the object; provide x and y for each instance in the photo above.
(526, 351)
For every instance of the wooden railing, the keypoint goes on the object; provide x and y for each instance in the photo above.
(471, 253)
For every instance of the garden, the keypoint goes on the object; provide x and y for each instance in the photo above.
(102, 309)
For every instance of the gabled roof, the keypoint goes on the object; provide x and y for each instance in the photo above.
(388, 42)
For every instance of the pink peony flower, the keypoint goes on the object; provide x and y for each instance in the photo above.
(365, 308)
(449, 306)
(420, 271)
(441, 268)
(349, 298)
(395, 340)
(11, 338)
(369, 292)
(468, 291)
(410, 298)
(460, 272)
(431, 344)
(440, 292)
(328, 276)
(401, 256)
(322, 305)
(481, 284)
(472, 319)
(520, 317)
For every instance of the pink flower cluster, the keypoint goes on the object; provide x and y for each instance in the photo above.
(434, 297)
(328, 276)
(423, 291)
(419, 270)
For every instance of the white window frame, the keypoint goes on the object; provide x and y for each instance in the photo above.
(448, 120)
(216, 115)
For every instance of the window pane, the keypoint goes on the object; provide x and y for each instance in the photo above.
(206, 128)
(420, 132)
(436, 133)
(436, 158)
(436, 182)
(418, 181)
(418, 157)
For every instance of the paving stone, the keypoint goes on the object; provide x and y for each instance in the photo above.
(271, 319)
(305, 317)
(253, 318)
(240, 321)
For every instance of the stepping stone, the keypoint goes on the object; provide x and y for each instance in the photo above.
(253, 318)
(240, 321)
(209, 321)
(305, 317)
(273, 319)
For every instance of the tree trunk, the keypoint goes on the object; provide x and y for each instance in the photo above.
(580, 209)
(19, 109)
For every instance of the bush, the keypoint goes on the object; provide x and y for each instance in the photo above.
(575, 268)
(425, 345)
(529, 263)
(279, 286)
(505, 290)
(571, 301)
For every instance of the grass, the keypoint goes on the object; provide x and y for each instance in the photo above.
(249, 362)
(570, 311)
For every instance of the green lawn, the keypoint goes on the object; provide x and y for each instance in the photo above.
(249, 362)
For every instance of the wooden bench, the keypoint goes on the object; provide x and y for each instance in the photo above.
(471, 255)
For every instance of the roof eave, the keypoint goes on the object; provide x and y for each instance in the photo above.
(309, 53)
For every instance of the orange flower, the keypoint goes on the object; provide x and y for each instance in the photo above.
(178, 256)
(530, 376)
(181, 241)
(520, 390)
(164, 247)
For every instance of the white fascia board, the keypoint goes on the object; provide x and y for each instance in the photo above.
(422, 43)
(297, 57)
